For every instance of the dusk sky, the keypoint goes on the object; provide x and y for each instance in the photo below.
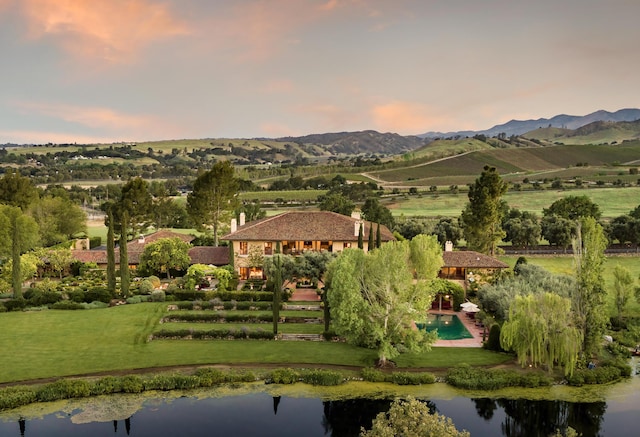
(137, 70)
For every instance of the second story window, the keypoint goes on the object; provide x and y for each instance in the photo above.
(268, 248)
(244, 248)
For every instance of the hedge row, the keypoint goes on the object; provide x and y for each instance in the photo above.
(223, 295)
(242, 333)
(233, 318)
(467, 377)
(399, 378)
(309, 376)
(610, 372)
(215, 304)
(13, 397)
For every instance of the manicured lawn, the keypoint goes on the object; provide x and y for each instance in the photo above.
(62, 343)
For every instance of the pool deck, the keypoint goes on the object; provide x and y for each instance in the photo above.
(468, 323)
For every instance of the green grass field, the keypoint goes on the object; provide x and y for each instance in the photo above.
(51, 343)
(612, 202)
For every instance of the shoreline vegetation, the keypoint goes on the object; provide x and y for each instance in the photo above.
(462, 377)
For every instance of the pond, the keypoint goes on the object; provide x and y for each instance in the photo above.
(297, 410)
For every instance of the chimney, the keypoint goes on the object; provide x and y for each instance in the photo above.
(234, 225)
(242, 216)
(356, 229)
(448, 246)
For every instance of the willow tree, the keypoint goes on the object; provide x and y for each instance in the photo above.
(589, 296)
(539, 333)
(374, 297)
(622, 288)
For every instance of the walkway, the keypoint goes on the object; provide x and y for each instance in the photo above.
(305, 295)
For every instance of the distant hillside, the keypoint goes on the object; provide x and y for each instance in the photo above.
(354, 143)
(519, 127)
(597, 132)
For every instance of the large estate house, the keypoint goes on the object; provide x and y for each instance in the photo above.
(466, 266)
(294, 233)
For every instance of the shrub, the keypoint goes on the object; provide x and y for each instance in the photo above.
(39, 298)
(155, 281)
(209, 376)
(373, 375)
(132, 384)
(158, 296)
(98, 293)
(75, 294)
(15, 304)
(493, 342)
(95, 305)
(283, 376)
(171, 382)
(134, 299)
(63, 389)
(464, 376)
(13, 397)
(410, 378)
(145, 287)
(67, 305)
(106, 385)
(322, 377)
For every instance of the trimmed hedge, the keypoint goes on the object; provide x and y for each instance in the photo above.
(230, 305)
(218, 317)
(243, 333)
(467, 377)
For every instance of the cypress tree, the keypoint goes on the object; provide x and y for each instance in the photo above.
(124, 256)
(371, 241)
(111, 256)
(378, 236)
(360, 237)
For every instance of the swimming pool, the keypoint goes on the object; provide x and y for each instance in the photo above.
(449, 326)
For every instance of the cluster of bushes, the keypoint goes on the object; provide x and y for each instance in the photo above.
(218, 317)
(16, 396)
(224, 295)
(467, 377)
(309, 376)
(607, 372)
(399, 378)
(222, 334)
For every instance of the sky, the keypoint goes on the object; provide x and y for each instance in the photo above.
(93, 71)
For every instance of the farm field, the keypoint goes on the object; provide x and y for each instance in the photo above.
(613, 202)
(564, 265)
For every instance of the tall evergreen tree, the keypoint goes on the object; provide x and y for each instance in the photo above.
(378, 236)
(124, 257)
(213, 198)
(589, 297)
(111, 255)
(18, 233)
(277, 290)
(482, 216)
(361, 237)
(371, 242)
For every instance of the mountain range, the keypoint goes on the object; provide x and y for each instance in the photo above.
(519, 127)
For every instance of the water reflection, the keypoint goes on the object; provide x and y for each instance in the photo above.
(266, 414)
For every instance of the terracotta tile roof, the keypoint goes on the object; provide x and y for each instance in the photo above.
(471, 259)
(218, 256)
(305, 226)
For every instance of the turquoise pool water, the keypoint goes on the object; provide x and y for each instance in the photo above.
(449, 326)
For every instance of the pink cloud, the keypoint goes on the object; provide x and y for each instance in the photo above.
(408, 118)
(111, 30)
(39, 137)
(125, 126)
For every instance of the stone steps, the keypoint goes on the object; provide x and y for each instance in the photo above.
(301, 337)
